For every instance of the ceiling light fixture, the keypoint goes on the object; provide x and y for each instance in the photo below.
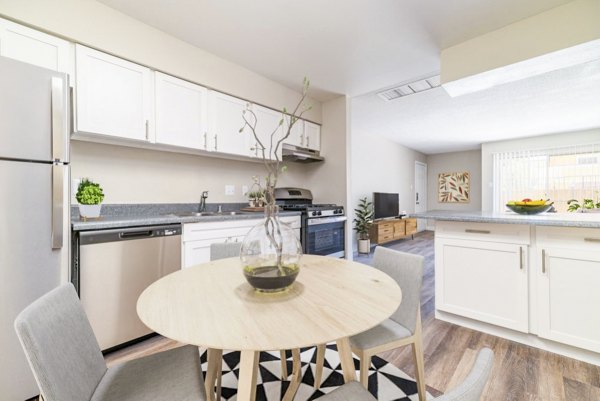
(410, 88)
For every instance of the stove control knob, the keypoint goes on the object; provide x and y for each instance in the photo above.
(319, 213)
(314, 213)
(340, 211)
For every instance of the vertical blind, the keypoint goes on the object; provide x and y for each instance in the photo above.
(558, 174)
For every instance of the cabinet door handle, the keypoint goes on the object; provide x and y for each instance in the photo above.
(469, 230)
(205, 141)
(543, 261)
(521, 257)
(308, 141)
(591, 239)
(215, 141)
(147, 131)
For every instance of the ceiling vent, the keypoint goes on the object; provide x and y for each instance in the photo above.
(410, 88)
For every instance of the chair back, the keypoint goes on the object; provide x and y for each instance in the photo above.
(407, 270)
(60, 346)
(222, 250)
(472, 387)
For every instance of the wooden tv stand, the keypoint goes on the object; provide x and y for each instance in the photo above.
(384, 231)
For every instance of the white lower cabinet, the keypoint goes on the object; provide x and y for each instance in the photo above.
(197, 237)
(568, 281)
(482, 280)
(198, 252)
(539, 280)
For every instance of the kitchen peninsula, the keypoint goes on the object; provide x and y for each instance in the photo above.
(532, 279)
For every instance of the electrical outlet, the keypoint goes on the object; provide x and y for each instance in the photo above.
(74, 185)
(244, 189)
(229, 189)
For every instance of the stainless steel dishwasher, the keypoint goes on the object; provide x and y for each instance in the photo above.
(114, 267)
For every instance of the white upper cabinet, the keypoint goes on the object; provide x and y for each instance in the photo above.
(180, 112)
(114, 96)
(296, 137)
(312, 136)
(34, 47)
(269, 132)
(224, 121)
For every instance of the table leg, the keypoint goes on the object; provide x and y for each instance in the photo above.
(214, 357)
(247, 376)
(345, 352)
(296, 376)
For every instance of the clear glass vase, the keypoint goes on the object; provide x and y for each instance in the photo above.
(271, 254)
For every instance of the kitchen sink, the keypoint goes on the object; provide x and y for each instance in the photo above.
(200, 214)
(194, 214)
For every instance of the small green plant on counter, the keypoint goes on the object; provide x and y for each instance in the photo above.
(363, 219)
(587, 204)
(89, 193)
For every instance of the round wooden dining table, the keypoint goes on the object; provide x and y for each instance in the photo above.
(211, 305)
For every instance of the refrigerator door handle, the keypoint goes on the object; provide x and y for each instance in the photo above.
(57, 205)
(59, 120)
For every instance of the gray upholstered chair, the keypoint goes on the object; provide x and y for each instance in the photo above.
(68, 366)
(469, 390)
(402, 328)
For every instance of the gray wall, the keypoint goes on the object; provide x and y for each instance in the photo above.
(455, 162)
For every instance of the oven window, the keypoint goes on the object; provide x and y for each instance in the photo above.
(325, 239)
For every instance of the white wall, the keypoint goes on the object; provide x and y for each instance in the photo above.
(454, 162)
(130, 175)
(537, 142)
(381, 165)
(328, 180)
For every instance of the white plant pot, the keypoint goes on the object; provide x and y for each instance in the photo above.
(90, 211)
(364, 246)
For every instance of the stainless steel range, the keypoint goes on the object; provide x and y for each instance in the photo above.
(323, 225)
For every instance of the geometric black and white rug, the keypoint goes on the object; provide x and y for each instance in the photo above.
(386, 381)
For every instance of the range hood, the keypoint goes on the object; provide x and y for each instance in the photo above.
(301, 155)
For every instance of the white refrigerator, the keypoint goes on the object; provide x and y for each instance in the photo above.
(34, 205)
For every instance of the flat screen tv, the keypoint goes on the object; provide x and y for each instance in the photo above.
(385, 205)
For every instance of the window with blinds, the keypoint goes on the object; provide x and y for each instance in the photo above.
(559, 174)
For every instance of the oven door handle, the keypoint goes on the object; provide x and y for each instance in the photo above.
(326, 220)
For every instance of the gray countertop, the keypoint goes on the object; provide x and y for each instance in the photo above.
(587, 220)
(137, 215)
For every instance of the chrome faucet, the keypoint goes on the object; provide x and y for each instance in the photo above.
(203, 201)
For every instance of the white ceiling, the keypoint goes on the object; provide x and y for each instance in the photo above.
(356, 47)
(433, 122)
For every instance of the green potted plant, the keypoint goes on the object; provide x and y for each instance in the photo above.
(362, 224)
(89, 196)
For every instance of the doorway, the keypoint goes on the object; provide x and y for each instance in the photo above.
(421, 193)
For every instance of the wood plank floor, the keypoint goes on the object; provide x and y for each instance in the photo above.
(520, 373)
